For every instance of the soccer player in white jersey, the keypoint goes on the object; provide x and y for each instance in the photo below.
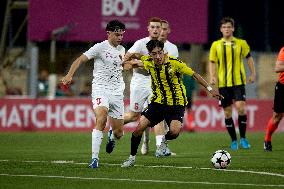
(161, 128)
(107, 85)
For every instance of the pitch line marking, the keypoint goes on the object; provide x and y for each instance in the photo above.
(141, 180)
(156, 166)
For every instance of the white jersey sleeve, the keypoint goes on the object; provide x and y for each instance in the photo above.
(171, 49)
(140, 46)
(93, 51)
(135, 48)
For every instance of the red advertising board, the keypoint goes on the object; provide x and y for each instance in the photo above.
(206, 115)
(77, 115)
(86, 20)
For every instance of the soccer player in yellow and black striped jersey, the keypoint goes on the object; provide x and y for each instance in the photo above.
(227, 55)
(169, 95)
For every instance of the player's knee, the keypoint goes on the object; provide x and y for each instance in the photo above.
(138, 132)
(241, 110)
(277, 118)
(101, 122)
(135, 116)
(118, 133)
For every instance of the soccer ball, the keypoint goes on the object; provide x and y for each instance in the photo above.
(221, 159)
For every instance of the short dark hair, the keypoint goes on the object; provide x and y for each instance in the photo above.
(153, 44)
(115, 25)
(226, 20)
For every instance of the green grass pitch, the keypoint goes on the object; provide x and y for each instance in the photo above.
(60, 160)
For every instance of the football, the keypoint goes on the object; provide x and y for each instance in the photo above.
(221, 159)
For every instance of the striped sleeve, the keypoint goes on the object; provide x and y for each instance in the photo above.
(245, 48)
(213, 53)
(184, 69)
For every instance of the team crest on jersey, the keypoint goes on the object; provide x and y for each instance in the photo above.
(109, 55)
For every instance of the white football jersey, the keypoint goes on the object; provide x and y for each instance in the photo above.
(140, 47)
(107, 73)
(171, 49)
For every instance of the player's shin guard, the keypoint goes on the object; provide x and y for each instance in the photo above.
(231, 128)
(242, 120)
(135, 141)
(270, 128)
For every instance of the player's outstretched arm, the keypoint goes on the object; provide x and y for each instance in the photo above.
(132, 60)
(131, 56)
(204, 83)
(128, 65)
(75, 65)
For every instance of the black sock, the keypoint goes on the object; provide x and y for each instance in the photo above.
(231, 128)
(242, 125)
(170, 136)
(135, 141)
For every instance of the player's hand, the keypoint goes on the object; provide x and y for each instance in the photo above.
(216, 94)
(127, 66)
(251, 78)
(66, 80)
(213, 80)
(127, 57)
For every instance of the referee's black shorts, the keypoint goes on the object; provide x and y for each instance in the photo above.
(156, 113)
(230, 94)
(279, 98)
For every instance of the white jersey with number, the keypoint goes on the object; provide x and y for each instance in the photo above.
(140, 86)
(107, 71)
(108, 84)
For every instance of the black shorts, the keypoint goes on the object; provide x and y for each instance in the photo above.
(156, 113)
(279, 98)
(237, 93)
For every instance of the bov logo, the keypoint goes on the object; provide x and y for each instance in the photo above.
(119, 7)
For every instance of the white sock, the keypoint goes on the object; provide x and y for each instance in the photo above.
(159, 139)
(97, 137)
(132, 157)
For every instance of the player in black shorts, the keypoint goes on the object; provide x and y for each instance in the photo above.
(168, 94)
(278, 112)
(226, 57)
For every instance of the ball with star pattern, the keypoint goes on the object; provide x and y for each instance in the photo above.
(221, 159)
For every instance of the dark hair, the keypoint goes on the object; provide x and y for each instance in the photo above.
(153, 44)
(115, 25)
(154, 19)
(226, 20)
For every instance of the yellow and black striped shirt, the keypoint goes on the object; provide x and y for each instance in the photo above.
(229, 57)
(167, 85)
